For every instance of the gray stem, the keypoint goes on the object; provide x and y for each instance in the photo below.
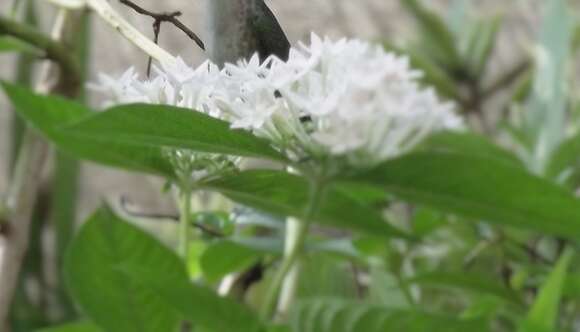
(229, 34)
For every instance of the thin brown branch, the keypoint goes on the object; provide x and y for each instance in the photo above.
(173, 218)
(170, 17)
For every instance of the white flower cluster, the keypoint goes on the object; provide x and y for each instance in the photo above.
(346, 99)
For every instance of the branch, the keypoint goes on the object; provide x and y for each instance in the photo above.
(166, 17)
(507, 79)
(111, 17)
(55, 51)
(3, 218)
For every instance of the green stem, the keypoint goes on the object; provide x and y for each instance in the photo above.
(294, 251)
(54, 50)
(184, 221)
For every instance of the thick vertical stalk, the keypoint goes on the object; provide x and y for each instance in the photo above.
(229, 35)
(67, 169)
(23, 76)
(296, 230)
(15, 242)
(185, 196)
(283, 287)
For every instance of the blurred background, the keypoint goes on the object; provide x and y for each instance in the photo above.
(377, 20)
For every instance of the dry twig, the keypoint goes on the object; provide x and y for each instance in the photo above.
(170, 17)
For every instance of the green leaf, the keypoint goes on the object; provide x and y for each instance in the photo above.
(332, 315)
(469, 144)
(49, 113)
(544, 314)
(546, 119)
(112, 300)
(226, 256)
(10, 44)
(73, 327)
(433, 75)
(127, 281)
(470, 282)
(169, 126)
(480, 188)
(481, 43)
(200, 305)
(286, 194)
(565, 162)
(437, 37)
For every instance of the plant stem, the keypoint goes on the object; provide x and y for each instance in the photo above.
(184, 221)
(288, 274)
(103, 9)
(54, 50)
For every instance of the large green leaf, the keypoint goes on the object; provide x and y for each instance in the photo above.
(227, 256)
(200, 305)
(544, 314)
(481, 188)
(469, 144)
(470, 282)
(162, 125)
(329, 315)
(286, 194)
(73, 327)
(49, 113)
(127, 281)
(114, 301)
(564, 165)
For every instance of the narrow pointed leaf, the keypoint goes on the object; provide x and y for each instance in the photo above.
(433, 75)
(480, 188)
(437, 36)
(48, 114)
(546, 119)
(544, 314)
(285, 194)
(469, 144)
(480, 43)
(168, 126)
(564, 165)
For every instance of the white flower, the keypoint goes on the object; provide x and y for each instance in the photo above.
(354, 99)
(119, 90)
(348, 99)
(176, 84)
